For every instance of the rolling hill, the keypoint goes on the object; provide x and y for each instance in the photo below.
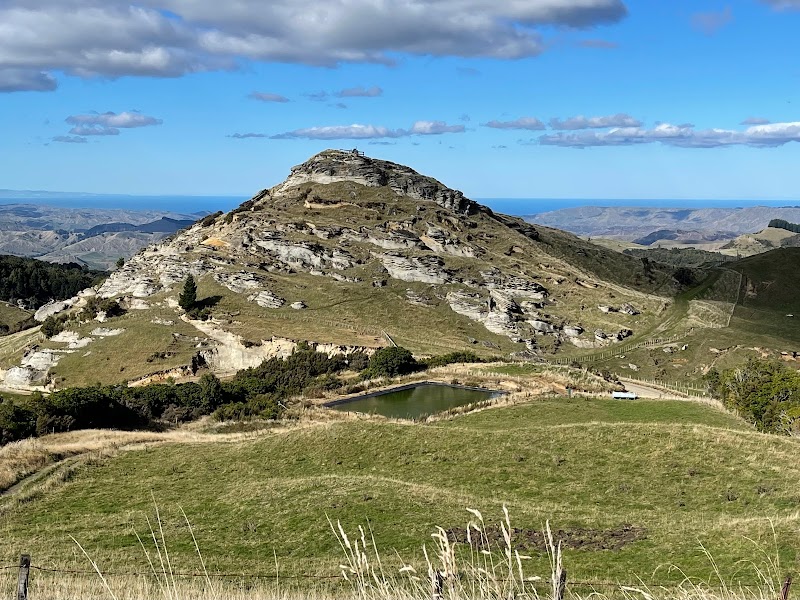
(93, 237)
(632, 488)
(666, 226)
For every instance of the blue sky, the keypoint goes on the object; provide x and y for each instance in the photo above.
(515, 98)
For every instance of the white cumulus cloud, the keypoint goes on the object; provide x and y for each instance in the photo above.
(368, 132)
(169, 38)
(530, 123)
(581, 122)
(125, 120)
(686, 136)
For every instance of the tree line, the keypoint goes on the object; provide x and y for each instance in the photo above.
(34, 282)
(264, 392)
(782, 224)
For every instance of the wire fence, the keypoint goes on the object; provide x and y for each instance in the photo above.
(281, 576)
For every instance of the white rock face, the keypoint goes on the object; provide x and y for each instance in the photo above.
(300, 305)
(513, 285)
(585, 343)
(53, 308)
(474, 307)
(240, 282)
(542, 326)
(149, 271)
(438, 240)
(138, 304)
(66, 337)
(305, 256)
(23, 377)
(426, 269)
(105, 332)
(335, 165)
(127, 282)
(468, 305)
(42, 360)
(267, 299)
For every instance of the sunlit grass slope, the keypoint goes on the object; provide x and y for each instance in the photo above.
(685, 474)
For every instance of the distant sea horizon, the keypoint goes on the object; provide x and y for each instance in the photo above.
(191, 205)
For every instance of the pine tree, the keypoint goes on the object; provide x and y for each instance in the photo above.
(188, 297)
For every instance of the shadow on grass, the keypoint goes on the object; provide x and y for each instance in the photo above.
(208, 302)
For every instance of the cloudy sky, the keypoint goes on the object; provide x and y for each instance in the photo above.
(500, 98)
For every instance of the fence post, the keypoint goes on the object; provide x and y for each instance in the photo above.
(562, 585)
(22, 581)
(785, 589)
(437, 584)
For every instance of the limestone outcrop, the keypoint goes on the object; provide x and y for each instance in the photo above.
(333, 166)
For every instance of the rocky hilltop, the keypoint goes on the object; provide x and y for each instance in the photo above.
(354, 252)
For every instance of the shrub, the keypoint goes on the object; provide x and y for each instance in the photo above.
(16, 422)
(390, 362)
(199, 314)
(257, 392)
(357, 361)
(53, 325)
(451, 358)
(209, 219)
(766, 393)
(95, 306)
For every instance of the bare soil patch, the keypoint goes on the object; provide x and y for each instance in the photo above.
(574, 539)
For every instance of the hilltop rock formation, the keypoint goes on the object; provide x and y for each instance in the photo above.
(354, 167)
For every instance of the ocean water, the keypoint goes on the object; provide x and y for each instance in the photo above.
(532, 206)
(188, 205)
(512, 206)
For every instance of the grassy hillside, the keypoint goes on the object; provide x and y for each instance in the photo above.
(772, 280)
(653, 479)
(740, 312)
(767, 296)
(11, 316)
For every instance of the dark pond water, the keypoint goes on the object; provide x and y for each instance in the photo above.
(416, 401)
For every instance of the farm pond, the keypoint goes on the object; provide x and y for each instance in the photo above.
(414, 401)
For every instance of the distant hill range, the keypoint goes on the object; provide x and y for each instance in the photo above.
(93, 237)
(163, 225)
(665, 226)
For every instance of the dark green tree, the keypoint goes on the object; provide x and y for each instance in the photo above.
(188, 297)
(388, 362)
(120, 262)
(212, 394)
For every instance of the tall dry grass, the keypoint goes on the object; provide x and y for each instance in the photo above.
(480, 569)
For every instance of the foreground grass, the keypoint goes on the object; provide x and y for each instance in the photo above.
(687, 474)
